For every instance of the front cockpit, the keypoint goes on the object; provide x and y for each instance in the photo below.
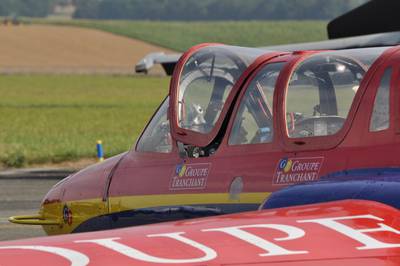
(206, 81)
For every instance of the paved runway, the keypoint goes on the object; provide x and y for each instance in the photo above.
(19, 197)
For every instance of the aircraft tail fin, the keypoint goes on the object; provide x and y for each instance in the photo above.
(376, 16)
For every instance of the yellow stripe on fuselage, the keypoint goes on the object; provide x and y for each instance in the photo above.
(83, 210)
(117, 204)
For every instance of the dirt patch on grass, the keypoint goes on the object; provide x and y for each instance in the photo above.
(63, 49)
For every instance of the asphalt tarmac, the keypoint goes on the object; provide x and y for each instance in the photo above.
(21, 197)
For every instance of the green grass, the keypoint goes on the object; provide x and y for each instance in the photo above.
(182, 35)
(59, 118)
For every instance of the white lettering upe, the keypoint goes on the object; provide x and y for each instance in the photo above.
(271, 248)
(358, 234)
(209, 254)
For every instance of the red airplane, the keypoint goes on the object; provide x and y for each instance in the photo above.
(238, 124)
(350, 232)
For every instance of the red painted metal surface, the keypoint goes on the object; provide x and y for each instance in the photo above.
(87, 184)
(347, 232)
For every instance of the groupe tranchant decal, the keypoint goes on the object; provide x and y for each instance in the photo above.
(297, 170)
(190, 176)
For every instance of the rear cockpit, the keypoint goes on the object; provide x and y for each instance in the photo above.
(321, 90)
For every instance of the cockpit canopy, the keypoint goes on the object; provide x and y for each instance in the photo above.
(315, 97)
(206, 81)
(322, 88)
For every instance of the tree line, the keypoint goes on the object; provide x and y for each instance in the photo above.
(213, 9)
(27, 8)
(187, 9)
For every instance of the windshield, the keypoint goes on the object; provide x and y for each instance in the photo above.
(156, 137)
(206, 81)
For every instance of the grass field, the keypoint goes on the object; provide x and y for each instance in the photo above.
(182, 35)
(59, 118)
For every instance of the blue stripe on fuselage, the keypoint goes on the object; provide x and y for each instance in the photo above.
(375, 184)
